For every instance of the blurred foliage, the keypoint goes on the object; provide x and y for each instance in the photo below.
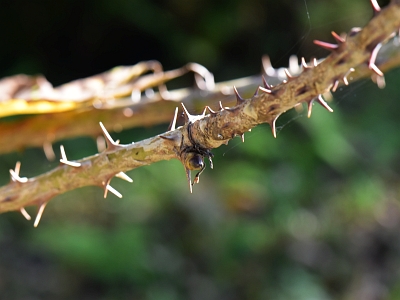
(313, 214)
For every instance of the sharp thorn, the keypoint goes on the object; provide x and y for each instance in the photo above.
(221, 108)
(346, 82)
(123, 176)
(189, 178)
(264, 90)
(335, 85)
(325, 45)
(239, 99)
(288, 75)
(337, 37)
(265, 83)
(273, 127)
(25, 213)
(303, 63)
(372, 60)
(309, 108)
(65, 161)
(188, 117)
(315, 62)
(375, 6)
(114, 191)
(242, 136)
(171, 127)
(323, 103)
(15, 174)
(256, 92)
(110, 142)
(210, 110)
(39, 214)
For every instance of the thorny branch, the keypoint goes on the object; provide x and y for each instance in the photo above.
(123, 112)
(193, 142)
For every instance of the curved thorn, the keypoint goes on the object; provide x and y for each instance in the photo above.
(273, 127)
(288, 75)
(372, 60)
(375, 6)
(123, 176)
(323, 103)
(171, 127)
(221, 108)
(239, 99)
(337, 37)
(39, 214)
(210, 110)
(25, 213)
(304, 64)
(325, 45)
(65, 161)
(315, 62)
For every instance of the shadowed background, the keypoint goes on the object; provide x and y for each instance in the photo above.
(313, 214)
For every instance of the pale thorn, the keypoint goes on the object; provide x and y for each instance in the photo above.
(309, 108)
(315, 61)
(109, 139)
(173, 124)
(123, 176)
(15, 174)
(48, 151)
(335, 85)
(346, 82)
(288, 75)
(25, 213)
(65, 161)
(112, 190)
(39, 214)
(220, 106)
(324, 104)
(189, 178)
(273, 127)
(242, 136)
(303, 63)
(372, 60)
(375, 6)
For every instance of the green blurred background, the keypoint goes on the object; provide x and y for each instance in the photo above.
(312, 215)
